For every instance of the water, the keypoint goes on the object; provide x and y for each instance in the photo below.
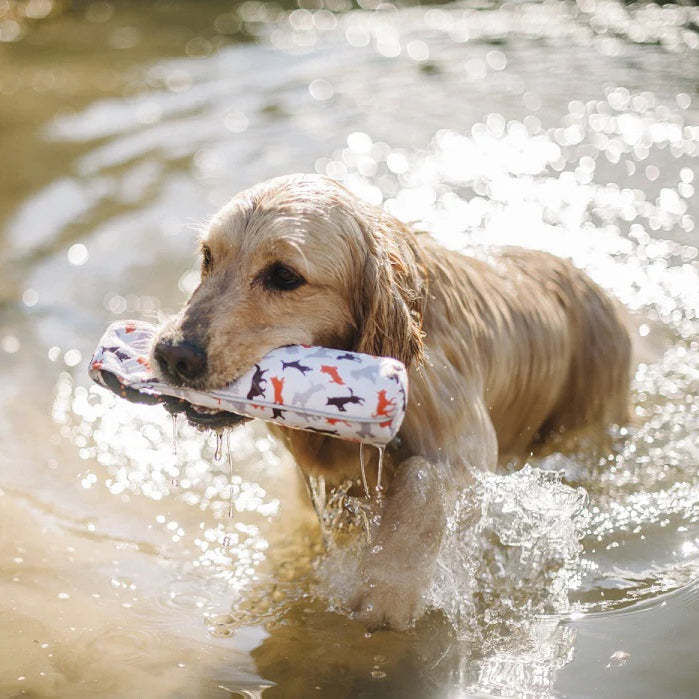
(218, 453)
(130, 570)
(362, 466)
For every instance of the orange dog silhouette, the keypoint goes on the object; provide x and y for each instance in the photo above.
(335, 420)
(278, 385)
(332, 372)
(385, 406)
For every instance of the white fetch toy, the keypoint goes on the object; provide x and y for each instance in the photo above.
(349, 395)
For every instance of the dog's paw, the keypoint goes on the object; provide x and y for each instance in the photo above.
(381, 605)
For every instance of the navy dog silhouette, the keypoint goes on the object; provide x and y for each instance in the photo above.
(296, 365)
(257, 383)
(341, 401)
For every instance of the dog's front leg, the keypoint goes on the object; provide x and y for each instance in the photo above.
(398, 563)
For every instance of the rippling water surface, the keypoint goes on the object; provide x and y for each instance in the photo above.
(138, 557)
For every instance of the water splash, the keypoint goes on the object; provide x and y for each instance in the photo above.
(340, 513)
(316, 489)
(511, 551)
(343, 517)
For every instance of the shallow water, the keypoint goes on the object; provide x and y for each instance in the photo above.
(562, 126)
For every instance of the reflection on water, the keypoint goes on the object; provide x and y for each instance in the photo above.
(570, 127)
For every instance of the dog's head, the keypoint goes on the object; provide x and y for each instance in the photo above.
(295, 260)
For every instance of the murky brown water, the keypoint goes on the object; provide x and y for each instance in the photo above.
(569, 127)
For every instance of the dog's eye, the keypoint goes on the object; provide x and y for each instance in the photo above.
(281, 278)
(207, 259)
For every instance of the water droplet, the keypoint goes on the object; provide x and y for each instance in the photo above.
(618, 658)
(219, 446)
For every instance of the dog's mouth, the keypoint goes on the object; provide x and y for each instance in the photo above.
(206, 418)
(201, 417)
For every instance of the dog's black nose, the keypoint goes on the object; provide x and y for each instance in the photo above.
(182, 362)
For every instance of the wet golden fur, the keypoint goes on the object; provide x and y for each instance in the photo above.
(503, 352)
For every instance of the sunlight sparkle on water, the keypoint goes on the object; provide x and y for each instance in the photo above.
(134, 444)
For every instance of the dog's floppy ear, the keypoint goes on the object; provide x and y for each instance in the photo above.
(391, 294)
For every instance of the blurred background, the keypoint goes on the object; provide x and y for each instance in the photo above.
(569, 126)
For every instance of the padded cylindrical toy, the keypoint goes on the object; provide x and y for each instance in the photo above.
(348, 395)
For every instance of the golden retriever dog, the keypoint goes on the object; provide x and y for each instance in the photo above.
(504, 353)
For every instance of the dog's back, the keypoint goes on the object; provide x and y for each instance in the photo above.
(548, 345)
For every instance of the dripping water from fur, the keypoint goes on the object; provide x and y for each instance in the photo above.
(379, 471)
(230, 474)
(362, 466)
(218, 452)
(511, 551)
(174, 434)
(175, 481)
